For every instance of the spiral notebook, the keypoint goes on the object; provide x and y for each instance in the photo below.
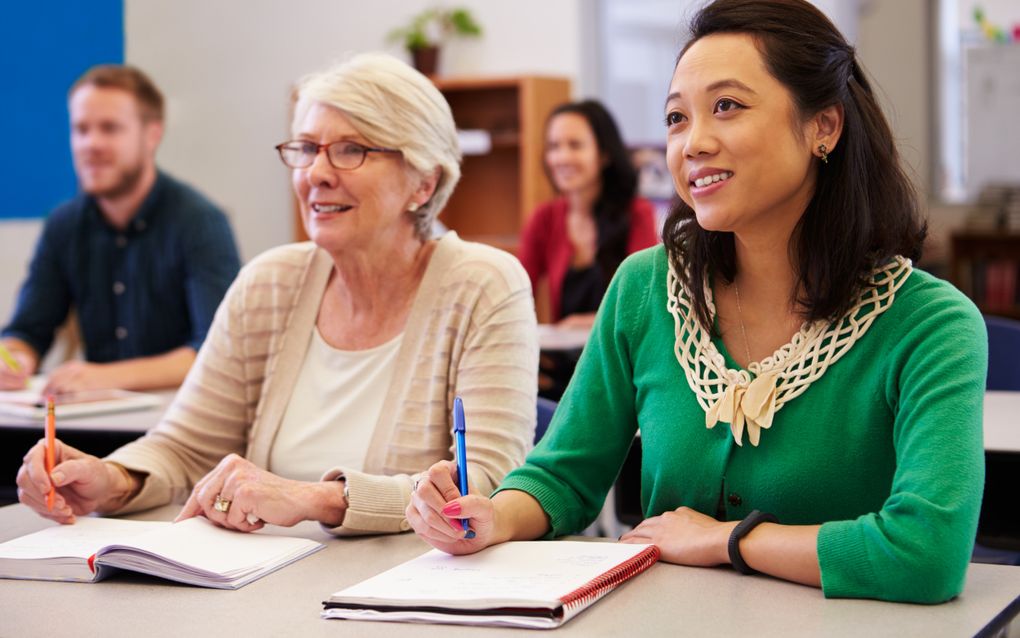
(535, 584)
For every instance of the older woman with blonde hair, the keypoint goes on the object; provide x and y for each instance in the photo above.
(326, 383)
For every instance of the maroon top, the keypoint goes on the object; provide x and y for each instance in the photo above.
(546, 248)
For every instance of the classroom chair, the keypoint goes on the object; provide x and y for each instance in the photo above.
(546, 408)
(1003, 353)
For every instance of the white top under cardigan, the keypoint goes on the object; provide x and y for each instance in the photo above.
(334, 408)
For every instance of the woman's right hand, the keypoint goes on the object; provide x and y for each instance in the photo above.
(83, 482)
(437, 508)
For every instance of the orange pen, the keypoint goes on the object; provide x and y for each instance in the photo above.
(51, 452)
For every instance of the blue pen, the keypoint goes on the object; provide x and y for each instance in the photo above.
(458, 434)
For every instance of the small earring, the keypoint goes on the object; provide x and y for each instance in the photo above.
(412, 207)
(823, 153)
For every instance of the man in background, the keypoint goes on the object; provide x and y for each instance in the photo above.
(142, 258)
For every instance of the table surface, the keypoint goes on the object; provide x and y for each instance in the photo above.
(665, 600)
(552, 338)
(1002, 421)
(133, 421)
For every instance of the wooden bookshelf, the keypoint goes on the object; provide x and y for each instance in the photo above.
(986, 267)
(498, 190)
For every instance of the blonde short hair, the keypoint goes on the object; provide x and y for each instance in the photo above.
(393, 106)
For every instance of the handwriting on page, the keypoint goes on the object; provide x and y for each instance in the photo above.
(530, 571)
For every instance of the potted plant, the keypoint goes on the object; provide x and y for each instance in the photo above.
(427, 30)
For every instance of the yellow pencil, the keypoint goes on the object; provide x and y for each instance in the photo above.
(51, 453)
(9, 359)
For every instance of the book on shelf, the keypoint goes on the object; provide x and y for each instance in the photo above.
(997, 287)
(535, 584)
(31, 402)
(194, 552)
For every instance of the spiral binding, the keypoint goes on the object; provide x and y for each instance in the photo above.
(607, 582)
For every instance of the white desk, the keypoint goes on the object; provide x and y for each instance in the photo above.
(552, 338)
(1002, 421)
(666, 600)
(138, 421)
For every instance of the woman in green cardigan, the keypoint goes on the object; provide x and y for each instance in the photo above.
(809, 404)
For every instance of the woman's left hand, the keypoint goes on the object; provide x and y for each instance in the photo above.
(685, 537)
(253, 497)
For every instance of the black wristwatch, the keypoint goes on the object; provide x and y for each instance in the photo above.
(743, 528)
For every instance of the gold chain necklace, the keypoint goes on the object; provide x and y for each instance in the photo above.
(743, 329)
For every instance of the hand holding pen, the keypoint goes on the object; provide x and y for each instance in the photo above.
(442, 511)
(14, 368)
(61, 482)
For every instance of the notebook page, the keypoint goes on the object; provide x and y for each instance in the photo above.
(80, 540)
(200, 545)
(514, 573)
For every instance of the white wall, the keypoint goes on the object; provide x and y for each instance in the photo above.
(893, 43)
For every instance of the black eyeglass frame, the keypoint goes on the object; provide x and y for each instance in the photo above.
(365, 150)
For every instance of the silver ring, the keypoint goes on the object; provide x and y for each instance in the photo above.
(221, 504)
(414, 487)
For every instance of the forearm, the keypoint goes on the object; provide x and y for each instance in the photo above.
(327, 503)
(518, 517)
(149, 373)
(789, 552)
(123, 486)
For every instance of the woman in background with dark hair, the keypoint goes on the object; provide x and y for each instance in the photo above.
(809, 403)
(578, 240)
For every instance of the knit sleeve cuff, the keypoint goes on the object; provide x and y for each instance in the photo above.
(843, 560)
(375, 504)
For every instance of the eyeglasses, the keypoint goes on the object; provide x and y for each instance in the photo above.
(345, 156)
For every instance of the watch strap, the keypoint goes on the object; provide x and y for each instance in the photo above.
(743, 528)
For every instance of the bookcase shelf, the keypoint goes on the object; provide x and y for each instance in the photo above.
(498, 190)
(986, 267)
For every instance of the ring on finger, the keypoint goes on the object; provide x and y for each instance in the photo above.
(221, 504)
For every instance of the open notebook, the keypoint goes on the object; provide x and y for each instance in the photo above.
(32, 404)
(193, 551)
(537, 584)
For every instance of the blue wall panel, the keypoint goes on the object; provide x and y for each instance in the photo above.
(45, 45)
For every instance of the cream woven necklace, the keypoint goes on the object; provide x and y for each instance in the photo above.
(733, 396)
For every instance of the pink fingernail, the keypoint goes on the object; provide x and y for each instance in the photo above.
(452, 509)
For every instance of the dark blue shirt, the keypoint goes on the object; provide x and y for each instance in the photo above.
(142, 291)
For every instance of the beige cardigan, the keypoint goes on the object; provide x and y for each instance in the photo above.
(471, 332)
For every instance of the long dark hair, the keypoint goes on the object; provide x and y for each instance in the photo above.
(864, 209)
(619, 183)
